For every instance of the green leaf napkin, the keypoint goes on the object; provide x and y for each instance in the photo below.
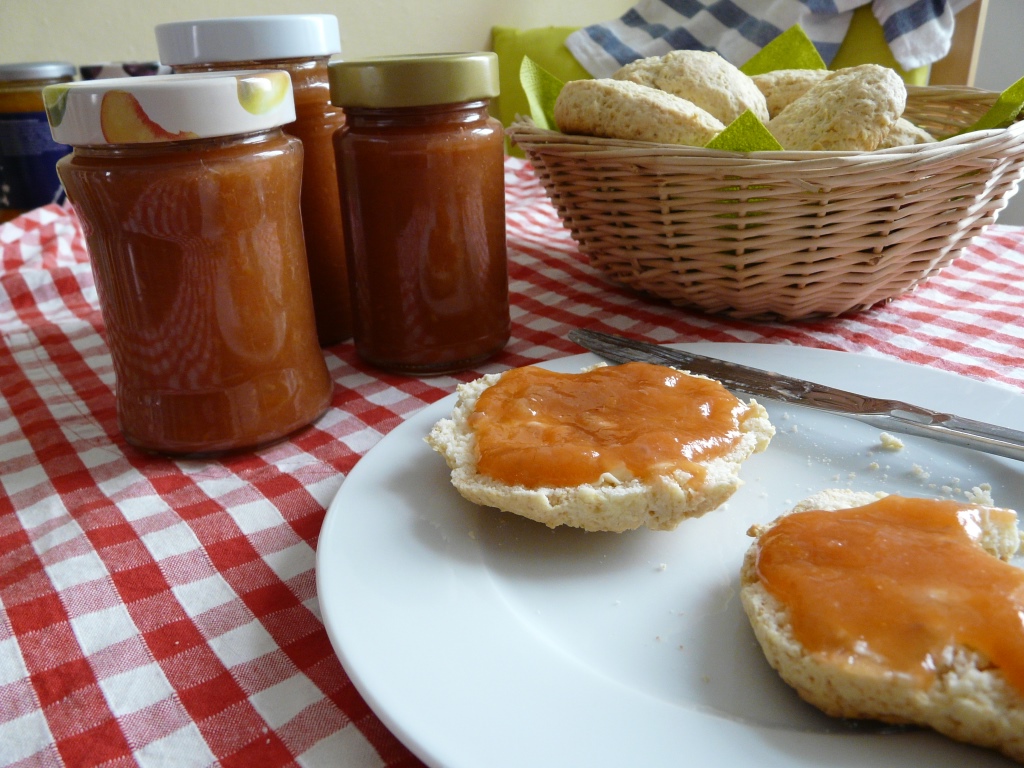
(1004, 111)
(542, 88)
(792, 49)
(745, 134)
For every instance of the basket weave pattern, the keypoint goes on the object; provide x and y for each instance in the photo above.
(782, 235)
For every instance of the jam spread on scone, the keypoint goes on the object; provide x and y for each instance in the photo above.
(538, 428)
(894, 584)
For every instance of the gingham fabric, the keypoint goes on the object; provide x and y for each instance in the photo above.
(918, 31)
(164, 613)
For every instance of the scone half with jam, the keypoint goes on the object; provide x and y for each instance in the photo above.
(613, 448)
(895, 609)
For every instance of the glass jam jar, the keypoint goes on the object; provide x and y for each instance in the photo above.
(300, 45)
(188, 193)
(421, 174)
(28, 154)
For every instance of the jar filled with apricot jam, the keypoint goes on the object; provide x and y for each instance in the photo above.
(301, 45)
(28, 154)
(421, 175)
(188, 194)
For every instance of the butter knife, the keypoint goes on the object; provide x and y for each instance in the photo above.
(879, 412)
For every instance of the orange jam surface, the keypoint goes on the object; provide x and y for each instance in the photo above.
(538, 428)
(423, 192)
(316, 121)
(894, 583)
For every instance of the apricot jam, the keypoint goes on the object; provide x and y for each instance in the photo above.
(301, 45)
(538, 428)
(895, 582)
(188, 193)
(421, 176)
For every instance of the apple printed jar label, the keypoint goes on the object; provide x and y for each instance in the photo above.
(188, 192)
(168, 107)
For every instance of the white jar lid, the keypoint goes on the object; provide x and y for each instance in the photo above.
(248, 38)
(165, 108)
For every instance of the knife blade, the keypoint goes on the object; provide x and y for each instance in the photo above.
(893, 415)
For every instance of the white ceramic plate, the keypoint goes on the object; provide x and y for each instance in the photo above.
(485, 640)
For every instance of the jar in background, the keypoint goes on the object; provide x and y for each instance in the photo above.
(421, 174)
(188, 193)
(28, 154)
(301, 45)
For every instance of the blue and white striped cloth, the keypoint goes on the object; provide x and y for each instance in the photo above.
(918, 31)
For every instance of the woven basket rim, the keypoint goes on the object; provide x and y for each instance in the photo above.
(784, 235)
(524, 132)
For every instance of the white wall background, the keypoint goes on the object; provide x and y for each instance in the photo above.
(1001, 64)
(84, 31)
(91, 31)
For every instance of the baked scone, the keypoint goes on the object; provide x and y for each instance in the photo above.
(618, 109)
(905, 134)
(850, 109)
(618, 499)
(964, 695)
(701, 77)
(784, 86)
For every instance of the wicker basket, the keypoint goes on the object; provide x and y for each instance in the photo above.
(782, 235)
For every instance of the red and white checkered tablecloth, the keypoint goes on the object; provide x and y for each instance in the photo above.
(158, 612)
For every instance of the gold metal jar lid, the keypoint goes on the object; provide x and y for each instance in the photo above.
(414, 81)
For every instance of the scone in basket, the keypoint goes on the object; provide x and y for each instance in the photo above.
(782, 235)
